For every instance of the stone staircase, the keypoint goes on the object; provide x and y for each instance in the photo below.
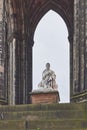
(44, 117)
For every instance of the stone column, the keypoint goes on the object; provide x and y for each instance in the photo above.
(28, 69)
(70, 38)
(82, 43)
(76, 48)
(80, 51)
(11, 94)
(85, 45)
(3, 87)
(79, 46)
(20, 72)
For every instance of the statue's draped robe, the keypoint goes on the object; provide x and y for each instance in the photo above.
(48, 79)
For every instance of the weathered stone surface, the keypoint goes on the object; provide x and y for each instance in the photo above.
(79, 51)
(1, 9)
(2, 50)
(44, 116)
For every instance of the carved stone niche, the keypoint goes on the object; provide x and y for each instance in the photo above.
(43, 97)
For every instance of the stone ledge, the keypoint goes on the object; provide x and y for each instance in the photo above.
(79, 97)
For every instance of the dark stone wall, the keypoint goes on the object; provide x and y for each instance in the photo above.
(79, 51)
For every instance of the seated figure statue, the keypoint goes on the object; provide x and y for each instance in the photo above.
(48, 78)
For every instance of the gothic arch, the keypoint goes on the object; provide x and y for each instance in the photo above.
(42, 41)
(66, 12)
(28, 13)
(24, 15)
(56, 6)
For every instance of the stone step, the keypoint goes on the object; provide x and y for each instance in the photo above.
(35, 115)
(44, 116)
(12, 125)
(43, 107)
(57, 124)
(63, 128)
(44, 125)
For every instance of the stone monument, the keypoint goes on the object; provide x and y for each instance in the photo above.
(48, 79)
(47, 91)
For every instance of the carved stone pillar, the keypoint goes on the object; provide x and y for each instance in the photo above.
(20, 72)
(11, 87)
(76, 49)
(85, 45)
(28, 69)
(70, 38)
(79, 52)
(3, 88)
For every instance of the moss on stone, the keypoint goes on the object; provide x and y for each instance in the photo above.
(45, 117)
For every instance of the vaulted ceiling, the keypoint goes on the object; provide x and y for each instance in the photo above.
(27, 13)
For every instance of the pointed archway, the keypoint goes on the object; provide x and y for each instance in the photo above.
(51, 43)
(21, 23)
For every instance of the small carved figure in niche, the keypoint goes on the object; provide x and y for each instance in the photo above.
(48, 78)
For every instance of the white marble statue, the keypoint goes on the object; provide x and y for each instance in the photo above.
(48, 79)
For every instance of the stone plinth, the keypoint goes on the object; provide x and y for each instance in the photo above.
(39, 97)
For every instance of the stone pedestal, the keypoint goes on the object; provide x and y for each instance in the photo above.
(39, 97)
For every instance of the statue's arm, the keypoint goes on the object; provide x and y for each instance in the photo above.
(53, 75)
(43, 75)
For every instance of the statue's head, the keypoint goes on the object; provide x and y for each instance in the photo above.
(47, 66)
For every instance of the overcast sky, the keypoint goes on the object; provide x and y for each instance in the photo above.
(51, 45)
